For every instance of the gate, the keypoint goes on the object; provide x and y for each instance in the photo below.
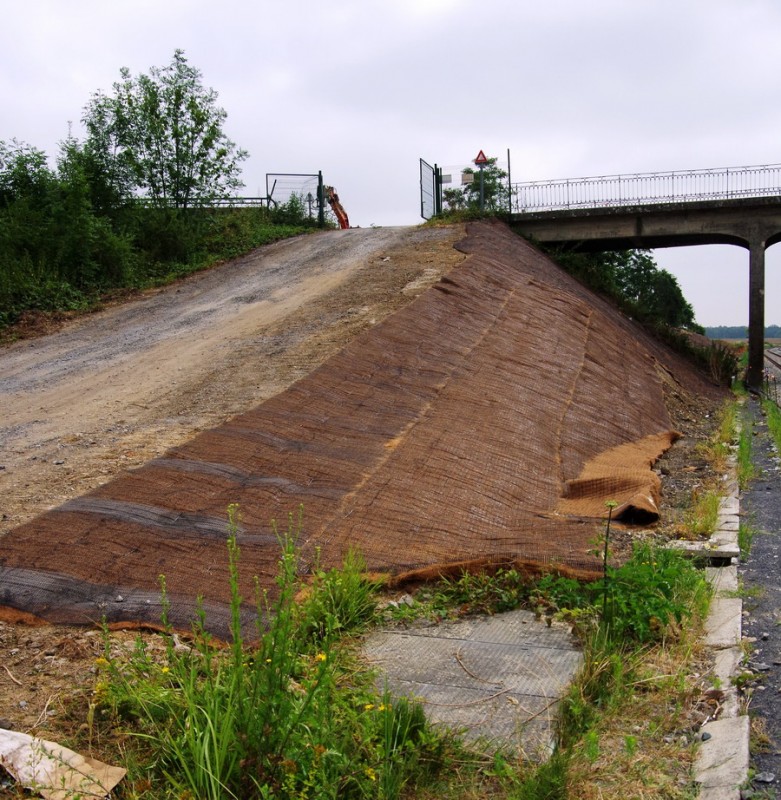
(430, 190)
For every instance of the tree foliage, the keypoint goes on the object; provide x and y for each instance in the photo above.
(494, 190)
(633, 278)
(71, 232)
(161, 134)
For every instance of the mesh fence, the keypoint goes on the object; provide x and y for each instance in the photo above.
(280, 187)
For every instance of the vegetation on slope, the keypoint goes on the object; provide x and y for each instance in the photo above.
(132, 205)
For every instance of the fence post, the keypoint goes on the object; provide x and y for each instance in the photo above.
(320, 200)
(509, 185)
(437, 190)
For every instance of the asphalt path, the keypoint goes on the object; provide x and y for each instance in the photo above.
(761, 576)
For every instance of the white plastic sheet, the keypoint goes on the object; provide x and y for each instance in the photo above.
(53, 771)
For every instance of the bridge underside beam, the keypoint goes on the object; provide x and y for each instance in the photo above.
(754, 224)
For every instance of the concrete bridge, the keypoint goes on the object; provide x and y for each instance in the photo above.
(740, 206)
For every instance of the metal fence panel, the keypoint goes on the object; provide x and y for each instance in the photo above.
(428, 187)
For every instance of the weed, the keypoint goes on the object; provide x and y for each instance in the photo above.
(745, 466)
(746, 534)
(773, 416)
(270, 720)
(703, 515)
(339, 600)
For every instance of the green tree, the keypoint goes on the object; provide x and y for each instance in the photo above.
(24, 174)
(91, 252)
(494, 188)
(634, 279)
(161, 134)
(666, 302)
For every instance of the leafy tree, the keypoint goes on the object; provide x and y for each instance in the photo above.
(634, 279)
(91, 252)
(24, 174)
(162, 134)
(495, 196)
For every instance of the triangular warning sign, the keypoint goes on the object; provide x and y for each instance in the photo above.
(481, 158)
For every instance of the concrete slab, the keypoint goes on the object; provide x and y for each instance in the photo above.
(496, 679)
(706, 552)
(729, 505)
(723, 626)
(723, 539)
(726, 663)
(723, 579)
(721, 765)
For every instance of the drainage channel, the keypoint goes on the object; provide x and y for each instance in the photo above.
(722, 761)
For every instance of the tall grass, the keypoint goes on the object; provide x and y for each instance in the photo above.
(275, 718)
(702, 516)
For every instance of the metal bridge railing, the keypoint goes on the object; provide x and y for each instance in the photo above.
(647, 188)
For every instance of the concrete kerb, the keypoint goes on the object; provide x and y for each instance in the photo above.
(722, 762)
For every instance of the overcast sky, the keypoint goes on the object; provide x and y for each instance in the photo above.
(360, 89)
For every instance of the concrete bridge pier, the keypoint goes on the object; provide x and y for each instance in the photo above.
(756, 312)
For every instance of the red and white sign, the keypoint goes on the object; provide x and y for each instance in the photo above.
(481, 159)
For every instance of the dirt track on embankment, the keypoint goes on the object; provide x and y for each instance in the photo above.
(115, 389)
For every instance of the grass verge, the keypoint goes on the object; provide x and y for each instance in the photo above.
(295, 713)
(773, 416)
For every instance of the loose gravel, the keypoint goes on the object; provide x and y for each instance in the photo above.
(761, 578)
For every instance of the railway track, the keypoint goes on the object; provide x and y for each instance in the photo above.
(771, 386)
(773, 357)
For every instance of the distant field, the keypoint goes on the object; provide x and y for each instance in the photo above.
(771, 342)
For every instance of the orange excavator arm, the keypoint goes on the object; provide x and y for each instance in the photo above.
(333, 201)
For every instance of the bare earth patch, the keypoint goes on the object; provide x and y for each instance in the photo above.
(112, 390)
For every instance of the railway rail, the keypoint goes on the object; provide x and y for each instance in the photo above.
(772, 374)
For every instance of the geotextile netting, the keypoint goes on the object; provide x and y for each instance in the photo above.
(491, 418)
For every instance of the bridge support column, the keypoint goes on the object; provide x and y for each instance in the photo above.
(756, 314)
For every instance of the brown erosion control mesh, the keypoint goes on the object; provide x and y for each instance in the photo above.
(490, 419)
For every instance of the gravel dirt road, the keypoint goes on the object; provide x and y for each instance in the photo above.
(117, 388)
(114, 389)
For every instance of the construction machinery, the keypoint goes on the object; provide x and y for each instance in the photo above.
(336, 206)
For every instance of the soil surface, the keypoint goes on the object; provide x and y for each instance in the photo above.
(112, 390)
(761, 577)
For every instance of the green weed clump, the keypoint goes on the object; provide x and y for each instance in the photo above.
(746, 534)
(641, 601)
(773, 416)
(745, 467)
(278, 718)
(703, 515)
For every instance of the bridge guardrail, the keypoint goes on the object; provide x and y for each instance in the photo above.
(647, 188)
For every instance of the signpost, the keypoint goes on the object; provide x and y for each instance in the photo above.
(480, 163)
